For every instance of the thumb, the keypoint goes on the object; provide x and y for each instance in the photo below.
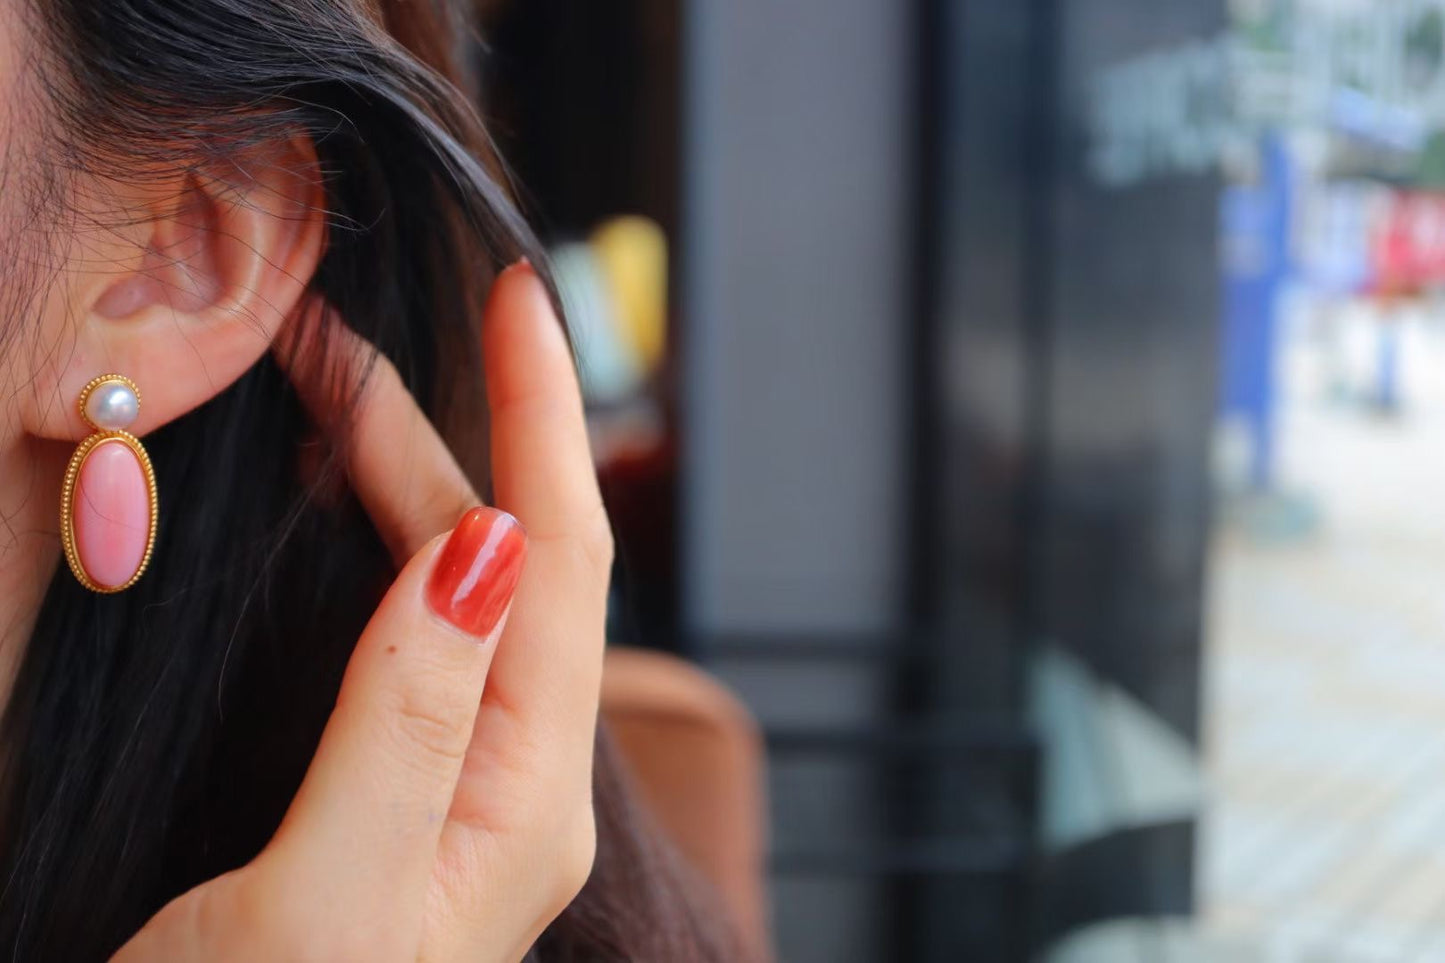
(362, 831)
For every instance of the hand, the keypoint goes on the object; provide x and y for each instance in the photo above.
(447, 814)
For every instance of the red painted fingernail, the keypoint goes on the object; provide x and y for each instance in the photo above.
(477, 570)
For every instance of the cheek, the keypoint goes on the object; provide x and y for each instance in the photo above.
(49, 347)
(71, 256)
(46, 302)
(37, 330)
(33, 238)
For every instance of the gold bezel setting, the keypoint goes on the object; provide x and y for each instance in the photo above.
(68, 492)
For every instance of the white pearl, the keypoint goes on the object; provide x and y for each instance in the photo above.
(112, 405)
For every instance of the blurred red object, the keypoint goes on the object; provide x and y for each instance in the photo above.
(1408, 252)
(637, 469)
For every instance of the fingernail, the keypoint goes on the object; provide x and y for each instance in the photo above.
(477, 570)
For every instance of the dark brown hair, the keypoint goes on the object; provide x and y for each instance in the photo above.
(154, 738)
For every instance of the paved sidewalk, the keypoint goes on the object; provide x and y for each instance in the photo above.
(1323, 839)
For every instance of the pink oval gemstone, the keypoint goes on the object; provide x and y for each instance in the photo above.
(112, 513)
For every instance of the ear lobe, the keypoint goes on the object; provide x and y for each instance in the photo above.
(206, 281)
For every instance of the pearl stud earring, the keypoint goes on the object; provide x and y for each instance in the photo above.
(108, 505)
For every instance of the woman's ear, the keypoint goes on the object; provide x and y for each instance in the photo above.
(182, 286)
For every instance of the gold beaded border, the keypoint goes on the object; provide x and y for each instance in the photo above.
(96, 382)
(67, 504)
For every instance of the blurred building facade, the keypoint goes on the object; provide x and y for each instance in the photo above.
(979, 330)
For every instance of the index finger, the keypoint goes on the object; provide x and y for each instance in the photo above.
(542, 473)
(400, 468)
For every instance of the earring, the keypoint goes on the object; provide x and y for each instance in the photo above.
(108, 507)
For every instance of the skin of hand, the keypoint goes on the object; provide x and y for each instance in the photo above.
(447, 814)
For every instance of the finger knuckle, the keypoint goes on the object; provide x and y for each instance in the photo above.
(220, 919)
(248, 915)
(275, 912)
(190, 920)
(246, 904)
(380, 369)
(429, 728)
(596, 541)
(575, 860)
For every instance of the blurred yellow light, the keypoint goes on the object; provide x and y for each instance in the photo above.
(632, 252)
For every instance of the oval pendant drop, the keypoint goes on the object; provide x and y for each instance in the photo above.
(109, 511)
